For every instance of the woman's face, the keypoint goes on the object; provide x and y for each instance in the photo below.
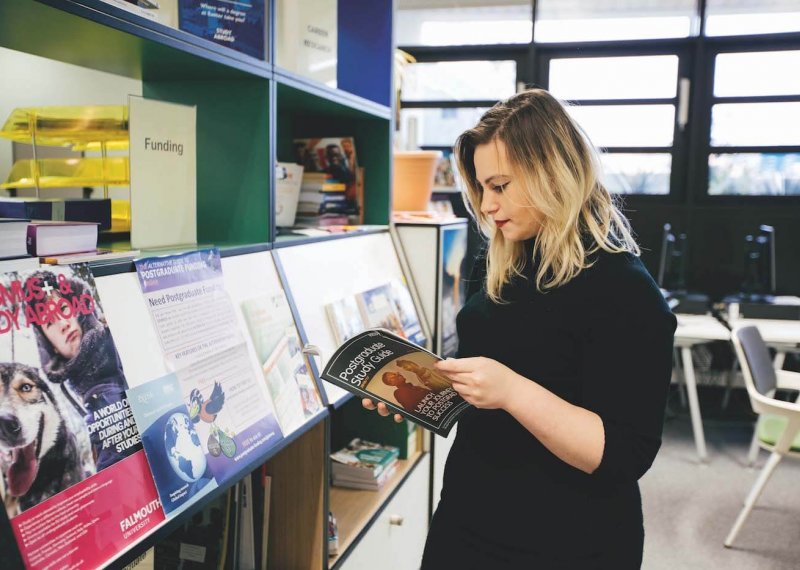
(65, 336)
(502, 199)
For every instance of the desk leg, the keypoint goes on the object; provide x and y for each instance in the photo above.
(694, 404)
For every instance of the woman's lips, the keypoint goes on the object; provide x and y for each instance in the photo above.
(500, 223)
(71, 337)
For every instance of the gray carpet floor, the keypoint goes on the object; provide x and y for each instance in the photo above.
(689, 507)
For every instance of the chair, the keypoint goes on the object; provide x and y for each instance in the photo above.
(779, 421)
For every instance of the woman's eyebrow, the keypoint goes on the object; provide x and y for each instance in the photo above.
(493, 176)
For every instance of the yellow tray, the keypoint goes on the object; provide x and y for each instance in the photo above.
(69, 172)
(68, 126)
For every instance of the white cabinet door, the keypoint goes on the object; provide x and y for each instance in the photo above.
(397, 537)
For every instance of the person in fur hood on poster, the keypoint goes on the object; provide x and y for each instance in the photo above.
(78, 353)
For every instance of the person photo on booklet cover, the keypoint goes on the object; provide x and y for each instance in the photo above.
(78, 353)
(564, 352)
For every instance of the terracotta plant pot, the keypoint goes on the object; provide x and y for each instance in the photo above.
(412, 182)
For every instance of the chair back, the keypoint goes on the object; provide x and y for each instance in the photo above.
(748, 342)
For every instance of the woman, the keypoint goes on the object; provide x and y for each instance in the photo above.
(565, 351)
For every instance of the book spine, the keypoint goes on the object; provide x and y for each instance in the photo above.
(30, 240)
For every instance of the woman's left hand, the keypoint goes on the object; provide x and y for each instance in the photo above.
(483, 382)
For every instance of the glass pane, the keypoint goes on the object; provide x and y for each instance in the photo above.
(636, 173)
(423, 23)
(590, 20)
(755, 124)
(459, 80)
(737, 17)
(767, 174)
(626, 125)
(436, 127)
(638, 77)
(767, 73)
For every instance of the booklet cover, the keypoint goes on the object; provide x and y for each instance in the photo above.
(176, 456)
(73, 476)
(277, 344)
(380, 365)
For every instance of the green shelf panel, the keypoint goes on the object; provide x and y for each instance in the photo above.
(301, 115)
(32, 27)
(232, 155)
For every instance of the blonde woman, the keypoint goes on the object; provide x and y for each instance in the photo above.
(565, 351)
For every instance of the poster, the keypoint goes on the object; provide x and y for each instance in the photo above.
(239, 25)
(196, 325)
(452, 286)
(73, 476)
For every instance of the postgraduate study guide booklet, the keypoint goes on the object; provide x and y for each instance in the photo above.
(380, 365)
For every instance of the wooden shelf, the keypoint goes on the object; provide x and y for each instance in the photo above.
(293, 448)
(355, 509)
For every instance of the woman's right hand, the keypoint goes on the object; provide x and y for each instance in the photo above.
(381, 407)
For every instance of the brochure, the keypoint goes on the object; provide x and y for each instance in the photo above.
(73, 476)
(383, 366)
(196, 323)
(173, 448)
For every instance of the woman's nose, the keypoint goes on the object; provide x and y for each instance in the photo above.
(488, 204)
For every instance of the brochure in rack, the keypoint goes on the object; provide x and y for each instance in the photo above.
(73, 476)
(383, 366)
(196, 324)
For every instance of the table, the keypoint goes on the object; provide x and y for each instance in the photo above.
(783, 336)
(693, 330)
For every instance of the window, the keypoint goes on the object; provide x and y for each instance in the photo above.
(754, 145)
(627, 107)
(740, 17)
(442, 99)
(453, 22)
(593, 20)
(437, 128)
(459, 81)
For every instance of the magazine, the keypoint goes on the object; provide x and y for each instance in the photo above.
(380, 365)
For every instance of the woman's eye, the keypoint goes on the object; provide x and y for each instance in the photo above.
(499, 187)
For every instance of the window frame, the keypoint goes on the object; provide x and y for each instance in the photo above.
(691, 146)
(706, 100)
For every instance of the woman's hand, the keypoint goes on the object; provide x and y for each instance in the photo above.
(381, 407)
(483, 382)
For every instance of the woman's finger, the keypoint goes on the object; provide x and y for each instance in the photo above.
(368, 404)
(382, 409)
(398, 418)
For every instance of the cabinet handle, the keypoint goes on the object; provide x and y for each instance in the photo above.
(396, 520)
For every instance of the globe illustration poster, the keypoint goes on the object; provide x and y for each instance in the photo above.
(183, 448)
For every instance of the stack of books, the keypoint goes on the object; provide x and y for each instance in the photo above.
(363, 465)
(322, 201)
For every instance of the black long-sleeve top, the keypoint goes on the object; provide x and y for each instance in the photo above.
(603, 342)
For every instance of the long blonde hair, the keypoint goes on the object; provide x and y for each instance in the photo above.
(556, 167)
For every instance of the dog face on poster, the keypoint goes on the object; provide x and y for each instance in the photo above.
(40, 453)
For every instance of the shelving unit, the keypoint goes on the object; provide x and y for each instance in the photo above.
(248, 113)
